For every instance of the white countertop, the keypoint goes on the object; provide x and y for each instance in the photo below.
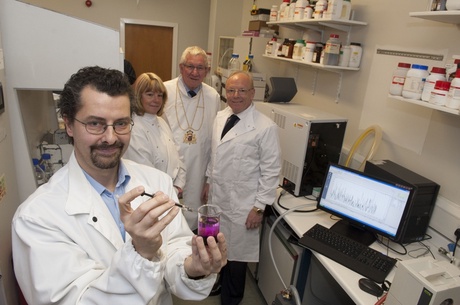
(347, 279)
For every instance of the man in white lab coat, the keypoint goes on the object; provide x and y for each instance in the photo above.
(190, 111)
(88, 236)
(243, 177)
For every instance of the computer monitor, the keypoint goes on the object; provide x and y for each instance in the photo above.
(366, 205)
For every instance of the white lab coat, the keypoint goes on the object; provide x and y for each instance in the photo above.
(152, 143)
(243, 173)
(67, 248)
(196, 156)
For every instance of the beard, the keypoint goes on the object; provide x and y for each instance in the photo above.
(106, 161)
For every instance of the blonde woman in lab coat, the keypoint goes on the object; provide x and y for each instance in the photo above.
(242, 180)
(152, 142)
(89, 235)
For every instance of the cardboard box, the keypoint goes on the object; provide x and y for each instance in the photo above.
(256, 25)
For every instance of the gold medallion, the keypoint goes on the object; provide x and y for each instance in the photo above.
(189, 137)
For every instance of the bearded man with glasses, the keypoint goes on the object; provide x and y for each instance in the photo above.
(190, 111)
(89, 236)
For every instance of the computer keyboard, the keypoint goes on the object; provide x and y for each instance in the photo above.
(352, 254)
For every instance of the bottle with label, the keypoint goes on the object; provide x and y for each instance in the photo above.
(318, 52)
(346, 10)
(292, 10)
(308, 14)
(332, 51)
(344, 59)
(398, 79)
(300, 9)
(309, 51)
(320, 8)
(274, 13)
(440, 92)
(437, 73)
(270, 48)
(453, 97)
(355, 55)
(299, 49)
(247, 64)
(334, 9)
(415, 79)
(234, 64)
(39, 172)
(282, 10)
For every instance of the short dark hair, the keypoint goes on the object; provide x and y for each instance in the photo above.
(110, 81)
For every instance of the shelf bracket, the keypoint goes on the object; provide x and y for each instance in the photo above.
(339, 88)
(343, 28)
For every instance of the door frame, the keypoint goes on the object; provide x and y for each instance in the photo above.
(174, 27)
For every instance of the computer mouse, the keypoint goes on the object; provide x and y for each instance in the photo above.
(370, 287)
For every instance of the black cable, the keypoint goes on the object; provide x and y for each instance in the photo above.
(392, 249)
(297, 211)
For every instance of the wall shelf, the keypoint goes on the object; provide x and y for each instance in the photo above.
(425, 104)
(439, 16)
(314, 65)
(319, 24)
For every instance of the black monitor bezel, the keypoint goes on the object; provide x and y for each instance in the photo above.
(362, 226)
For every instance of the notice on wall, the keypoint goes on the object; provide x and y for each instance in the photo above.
(402, 123)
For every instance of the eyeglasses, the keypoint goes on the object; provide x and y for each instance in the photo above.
(121, 127)
(240, 91)
(190, 68)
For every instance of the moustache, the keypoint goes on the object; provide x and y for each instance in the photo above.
(107, 146)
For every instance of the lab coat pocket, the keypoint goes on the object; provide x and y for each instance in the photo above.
(246, 162)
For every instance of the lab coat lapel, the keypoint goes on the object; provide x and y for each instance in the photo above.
(244, 125)
(83, 199)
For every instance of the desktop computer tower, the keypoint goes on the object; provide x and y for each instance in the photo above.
(422, 204)
(310, 139)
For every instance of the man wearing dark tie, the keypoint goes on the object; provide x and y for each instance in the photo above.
(242, 179)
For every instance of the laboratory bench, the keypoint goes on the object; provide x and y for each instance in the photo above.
(306, 269)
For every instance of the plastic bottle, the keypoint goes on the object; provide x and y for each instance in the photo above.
(308, 14)
(282, 10)
(453, 5)
(398, 79)
(291, 10)
(415, 79)
(234, 64)
(452, 69)
(274, 13)
(47, 166)
(332, 51)
(320, 8)
(309, 50)
(299, 48)
(300, 9)
(437, 73)
(334, 9)
(346, 10)
(247, 64)
(440, 92)
(453, 97)
(344, 59)
(355, 55)
(39, 172)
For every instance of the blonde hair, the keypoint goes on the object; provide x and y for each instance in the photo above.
(148, 82)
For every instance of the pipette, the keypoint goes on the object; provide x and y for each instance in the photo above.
(175, 203)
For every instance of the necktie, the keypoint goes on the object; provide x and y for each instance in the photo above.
(192, 93)
(231, 121)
